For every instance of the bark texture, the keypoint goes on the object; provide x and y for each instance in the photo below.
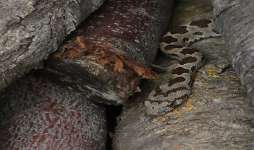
(32, 29)
(216, 117)
(111, 52)
(235, 20)
(37, 114)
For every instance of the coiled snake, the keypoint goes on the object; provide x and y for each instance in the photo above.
(187, 60)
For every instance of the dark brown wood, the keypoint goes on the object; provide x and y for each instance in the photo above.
(113, 50)
(36, 113)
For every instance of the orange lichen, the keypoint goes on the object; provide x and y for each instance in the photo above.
(73, 53)
(118, 66)
(80, 41)
(142, 71)
(105, 54)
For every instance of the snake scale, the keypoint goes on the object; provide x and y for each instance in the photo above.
(177, 44)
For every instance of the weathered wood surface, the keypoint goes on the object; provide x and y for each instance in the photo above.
(216, 117)
(112, 51)
(37, 114)
(235, 20)
(32, 29)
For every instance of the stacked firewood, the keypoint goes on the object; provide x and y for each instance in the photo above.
(63, 62)
(101, 62)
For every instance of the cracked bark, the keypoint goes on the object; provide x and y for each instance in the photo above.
(32, 29)
(235, 20)
(217, 116)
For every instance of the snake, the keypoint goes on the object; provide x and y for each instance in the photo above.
(177, 45)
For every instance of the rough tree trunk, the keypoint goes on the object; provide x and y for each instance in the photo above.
(32, 29)
(111, 52)
(37, 113)
(216, 116)
(235, 19)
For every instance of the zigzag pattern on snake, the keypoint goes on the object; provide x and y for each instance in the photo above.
(187, 60)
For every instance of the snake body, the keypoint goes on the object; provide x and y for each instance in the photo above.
(187, 60)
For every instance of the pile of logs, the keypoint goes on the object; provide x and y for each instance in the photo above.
(102, 62)
(80, 67)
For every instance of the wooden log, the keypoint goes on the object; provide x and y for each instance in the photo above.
(112, 51)
(31, 30)
(215, 117)
(37, 114)
(235, 20)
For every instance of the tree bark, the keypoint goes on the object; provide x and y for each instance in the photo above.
(215, 117)
(112, 51)
(235, 20)
(37, 113)
(32, 29)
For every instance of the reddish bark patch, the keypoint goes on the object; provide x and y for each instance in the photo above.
(105, 55)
